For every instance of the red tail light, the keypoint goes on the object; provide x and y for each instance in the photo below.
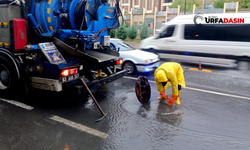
(67, 72)
(119, 62)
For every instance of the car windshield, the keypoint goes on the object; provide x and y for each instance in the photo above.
(123, 46)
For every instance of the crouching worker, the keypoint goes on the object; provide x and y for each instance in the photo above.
(170, 73)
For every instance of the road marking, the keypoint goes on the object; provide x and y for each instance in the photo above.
(196, 69)
(206, 70)
(193, 69)
(79, 127)
(18, 104)
(236, 96)
(206, 91)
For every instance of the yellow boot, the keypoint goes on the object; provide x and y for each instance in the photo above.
(178, 98)
(159, 97)
(99, 73)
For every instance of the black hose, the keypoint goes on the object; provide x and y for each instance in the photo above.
(80, 15)
(25, 9)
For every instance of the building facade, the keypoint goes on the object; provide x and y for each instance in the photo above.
(150, 5)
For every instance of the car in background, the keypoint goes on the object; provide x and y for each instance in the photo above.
(134, 59)
(211, 43)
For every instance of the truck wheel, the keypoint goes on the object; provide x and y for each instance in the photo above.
(8, 75)
(130, 67)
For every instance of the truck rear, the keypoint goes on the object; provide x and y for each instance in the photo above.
(50, 45)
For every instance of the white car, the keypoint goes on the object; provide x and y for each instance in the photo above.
(134, 59)
(213, 43)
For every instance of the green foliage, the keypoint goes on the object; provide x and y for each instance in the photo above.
(220, 3)
(112, 33)
(126, 25)
(122, 33)
(242, 3)
(144, 31)
(189, 4)
(132, 34)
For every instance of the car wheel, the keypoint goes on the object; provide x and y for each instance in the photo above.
(8, 76)
(130, 67)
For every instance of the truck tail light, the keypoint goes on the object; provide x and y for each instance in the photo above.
(67, 72)
(119, 62)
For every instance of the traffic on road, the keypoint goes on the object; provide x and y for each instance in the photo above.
(213, 114)
(66, 85)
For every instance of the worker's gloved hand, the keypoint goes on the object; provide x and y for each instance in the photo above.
(163, 95)
(172, 100)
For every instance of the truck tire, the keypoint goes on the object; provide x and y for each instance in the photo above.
(8, 75)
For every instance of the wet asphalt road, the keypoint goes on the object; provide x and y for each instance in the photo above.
(214, 114)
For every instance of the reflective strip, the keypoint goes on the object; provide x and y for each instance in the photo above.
(48, 10)
(51, 28)
(86, 18)
(49, 2)
(87, 6)
(3, 24)
(2, 43)
(49, 20)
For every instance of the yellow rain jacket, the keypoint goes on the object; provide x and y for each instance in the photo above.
(170, 72)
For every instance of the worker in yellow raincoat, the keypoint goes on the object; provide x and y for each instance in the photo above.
(170, 73)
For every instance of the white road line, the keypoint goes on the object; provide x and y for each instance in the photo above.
(206, 91)
(79, 127)
(18, 104)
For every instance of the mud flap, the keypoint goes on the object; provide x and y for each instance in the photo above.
(142, 89)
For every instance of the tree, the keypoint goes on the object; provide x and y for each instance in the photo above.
(144, 30)
(132, 34)
(125, 24)
(242, 3)
(112, 33)
(220, 3)
(189, 4)
(122, 33)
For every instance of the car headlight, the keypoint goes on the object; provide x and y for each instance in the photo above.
(148, 61)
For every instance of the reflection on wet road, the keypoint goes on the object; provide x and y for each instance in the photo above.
(158, 126)
(204, 120)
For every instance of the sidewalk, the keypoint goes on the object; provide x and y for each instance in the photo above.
(135, 45)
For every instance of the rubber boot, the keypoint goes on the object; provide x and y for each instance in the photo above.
(99, 73)
(178, 98)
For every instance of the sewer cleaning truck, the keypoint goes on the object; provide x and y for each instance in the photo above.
(52, 44)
